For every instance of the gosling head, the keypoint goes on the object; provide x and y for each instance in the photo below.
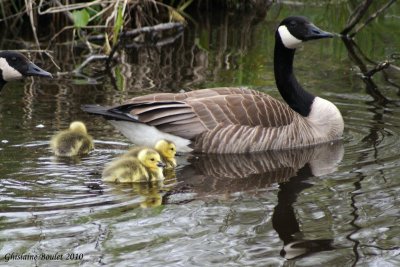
(15, 66)
(295, 30)
(78, 126)
(150, 159)
(166, 148)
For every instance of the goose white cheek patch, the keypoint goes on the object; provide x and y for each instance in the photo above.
(9, 73)
(288, 39)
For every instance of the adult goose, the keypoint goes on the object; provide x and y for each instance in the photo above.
(235, 120)
(15, 66)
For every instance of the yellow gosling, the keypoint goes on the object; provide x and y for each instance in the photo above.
(146, 167)
(73, 141)
(165, 148)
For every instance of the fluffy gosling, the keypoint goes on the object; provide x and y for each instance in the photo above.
(165, 148)
(146, 167)
(73, 141)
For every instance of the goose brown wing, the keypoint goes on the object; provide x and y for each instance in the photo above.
(190, 114)
(196, 94)
(241, 109)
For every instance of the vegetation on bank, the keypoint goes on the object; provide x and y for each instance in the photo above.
(103, 21)
(99, 28)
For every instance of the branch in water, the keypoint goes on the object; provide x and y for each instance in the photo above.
(151, 36)
(371, 87)
(381, 66)
(87, 61)
(136, 32)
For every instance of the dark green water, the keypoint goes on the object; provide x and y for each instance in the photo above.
(333, 205)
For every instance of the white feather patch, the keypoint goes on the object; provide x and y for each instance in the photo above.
(288, 40)
(326, 119)
(146, 135)
(9, 73)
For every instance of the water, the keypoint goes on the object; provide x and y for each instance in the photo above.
(331, 205)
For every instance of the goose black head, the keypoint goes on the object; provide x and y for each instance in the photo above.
(15, 66)
(295, 30)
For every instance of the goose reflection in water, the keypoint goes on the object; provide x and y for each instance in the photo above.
(291, 169)
(224, 174)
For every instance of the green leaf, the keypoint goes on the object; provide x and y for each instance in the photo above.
(118, 24)
(81, 18)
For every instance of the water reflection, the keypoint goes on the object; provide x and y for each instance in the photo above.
(228, 174)
(286, 224)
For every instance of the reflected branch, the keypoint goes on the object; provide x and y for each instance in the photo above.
(354, 213)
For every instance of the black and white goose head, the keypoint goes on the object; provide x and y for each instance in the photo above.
(15, 66)
(295, 30)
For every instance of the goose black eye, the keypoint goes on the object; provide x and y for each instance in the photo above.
(14, 59)
(292, 23)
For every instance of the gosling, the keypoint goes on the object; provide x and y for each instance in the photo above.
(146, 167)
(165, 148)
(72, 142)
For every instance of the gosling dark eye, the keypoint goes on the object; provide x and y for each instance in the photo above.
(152, 159)
(172, 149)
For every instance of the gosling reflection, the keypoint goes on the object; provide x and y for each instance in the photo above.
(291, 169)
(150, 193)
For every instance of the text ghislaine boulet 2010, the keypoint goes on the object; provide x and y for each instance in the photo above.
(42, 257)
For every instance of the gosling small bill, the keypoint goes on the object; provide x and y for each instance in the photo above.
(73, 141)
(146, 167)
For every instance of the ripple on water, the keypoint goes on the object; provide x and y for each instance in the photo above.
(52, 204)
(56, 196)
(371, 135)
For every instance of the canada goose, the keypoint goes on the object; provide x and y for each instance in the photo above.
(165, 148)
(73, 141)
(146, 167)
(15, 66)
(236, 120)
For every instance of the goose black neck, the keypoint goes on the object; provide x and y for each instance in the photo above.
(290, 89)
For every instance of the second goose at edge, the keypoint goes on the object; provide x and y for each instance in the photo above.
(235, 120)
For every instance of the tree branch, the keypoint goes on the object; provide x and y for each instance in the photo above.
(357, 15)
(372, 17)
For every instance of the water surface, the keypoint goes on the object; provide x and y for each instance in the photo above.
(335, 204)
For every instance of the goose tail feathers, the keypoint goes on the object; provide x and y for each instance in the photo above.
(110, 113)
